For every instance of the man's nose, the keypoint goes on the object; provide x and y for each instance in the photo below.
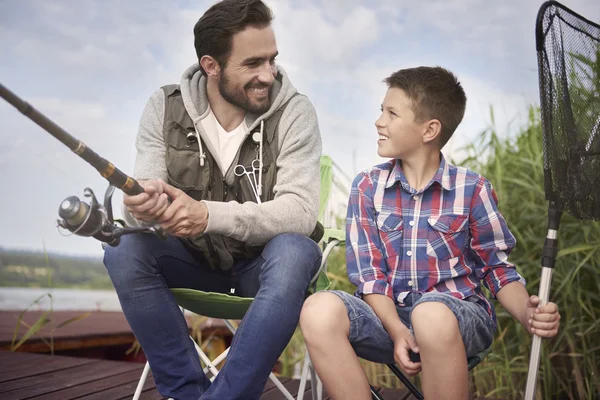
(267, 74)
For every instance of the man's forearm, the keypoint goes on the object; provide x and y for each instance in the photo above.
(513, 298)
(385, 309)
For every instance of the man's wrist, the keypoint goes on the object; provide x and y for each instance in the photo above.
(201, 216)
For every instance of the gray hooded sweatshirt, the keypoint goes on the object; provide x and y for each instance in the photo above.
(296, 192)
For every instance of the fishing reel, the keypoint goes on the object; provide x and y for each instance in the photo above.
(96, 220)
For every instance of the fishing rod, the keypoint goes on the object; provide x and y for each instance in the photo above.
(77, 216)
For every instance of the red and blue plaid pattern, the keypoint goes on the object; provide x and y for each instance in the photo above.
(448, 237)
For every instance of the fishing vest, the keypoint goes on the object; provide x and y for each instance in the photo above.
(207, 182)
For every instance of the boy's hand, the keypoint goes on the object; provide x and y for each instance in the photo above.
(542, 321)
(402, 344)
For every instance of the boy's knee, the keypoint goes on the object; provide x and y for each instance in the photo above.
(322, 315)
(435, 325)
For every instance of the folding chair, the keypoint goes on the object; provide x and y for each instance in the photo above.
(227, 307)
(472, 362)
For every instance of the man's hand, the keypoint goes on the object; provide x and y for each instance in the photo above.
(404, 342)
(184, 217)
(542, 321)
(148, 206)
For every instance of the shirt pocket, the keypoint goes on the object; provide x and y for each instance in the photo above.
(391, 232)
(447, 236)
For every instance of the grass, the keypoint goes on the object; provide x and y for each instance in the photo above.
(44, 320)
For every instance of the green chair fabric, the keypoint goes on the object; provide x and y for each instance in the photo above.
(211, 304)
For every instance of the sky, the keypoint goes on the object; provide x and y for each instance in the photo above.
(91, 65)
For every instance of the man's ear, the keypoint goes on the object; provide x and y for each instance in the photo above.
(433, 130)
(210, 66)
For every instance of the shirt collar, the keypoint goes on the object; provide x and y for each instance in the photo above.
(441, 177)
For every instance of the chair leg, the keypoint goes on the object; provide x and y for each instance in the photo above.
(142, 382)
(375, 394)
(304, 377)
(409, 385)
(280, 386)
(316, 385)
(209, 364)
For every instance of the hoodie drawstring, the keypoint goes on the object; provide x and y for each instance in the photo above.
(260, 163)
(201, 155)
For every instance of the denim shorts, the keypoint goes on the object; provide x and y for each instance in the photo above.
(371, 341)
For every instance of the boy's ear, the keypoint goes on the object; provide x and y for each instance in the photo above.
(210, 66)
(433, 130)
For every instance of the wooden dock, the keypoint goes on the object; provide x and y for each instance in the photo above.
(97, 329)
(45, 377)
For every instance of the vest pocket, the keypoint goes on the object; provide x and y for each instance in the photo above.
(183, 168)
(447, 236)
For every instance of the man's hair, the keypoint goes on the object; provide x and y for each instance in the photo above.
(214, 31)
(435, 93)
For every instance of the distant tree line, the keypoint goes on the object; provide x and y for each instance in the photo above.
(23, 268)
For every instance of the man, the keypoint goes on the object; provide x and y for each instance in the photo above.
(247, 234)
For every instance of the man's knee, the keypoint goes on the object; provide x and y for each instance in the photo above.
(295, 257)
(435, 325)
(323, 315)
(296, 246)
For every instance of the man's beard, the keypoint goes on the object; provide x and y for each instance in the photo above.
(240, 99)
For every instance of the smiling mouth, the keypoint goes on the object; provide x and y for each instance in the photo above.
(260, 91)
(382, 138)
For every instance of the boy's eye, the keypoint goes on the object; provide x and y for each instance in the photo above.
(389, 111)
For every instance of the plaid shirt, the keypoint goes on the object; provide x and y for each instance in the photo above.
(448, 237)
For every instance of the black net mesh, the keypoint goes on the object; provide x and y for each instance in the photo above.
(568, 47)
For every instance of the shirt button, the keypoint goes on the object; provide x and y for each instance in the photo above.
(412, 223)
(409, 253)
(415, 197)
(410, 283)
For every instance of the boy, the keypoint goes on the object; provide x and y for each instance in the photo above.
(421, 236)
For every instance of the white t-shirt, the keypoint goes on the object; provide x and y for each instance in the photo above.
(226, 143)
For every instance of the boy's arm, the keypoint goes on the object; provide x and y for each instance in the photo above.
(364, 262)
(542, 321)
(385, 309)
(367, 269)
(491, 241)
(491, 244)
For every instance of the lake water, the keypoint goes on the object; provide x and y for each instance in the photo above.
(62, 299)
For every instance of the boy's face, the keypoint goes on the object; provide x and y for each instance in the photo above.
(400, 135)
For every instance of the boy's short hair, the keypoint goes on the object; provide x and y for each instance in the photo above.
(435, 93)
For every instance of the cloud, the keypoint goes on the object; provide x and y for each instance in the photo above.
(91, 66)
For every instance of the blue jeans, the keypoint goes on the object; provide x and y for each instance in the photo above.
(371, 341)
(143, 268)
